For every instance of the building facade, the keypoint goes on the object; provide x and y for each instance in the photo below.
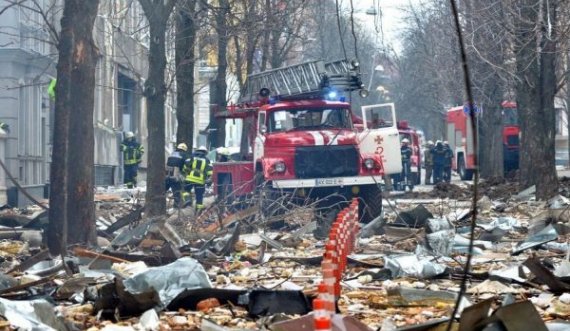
(28, 60)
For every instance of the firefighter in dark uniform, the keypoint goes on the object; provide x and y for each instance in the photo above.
(174, 171)
(428, 161)
(406, 153)
(448, 161)
(132, 156)
(438, 155)
(197, 169)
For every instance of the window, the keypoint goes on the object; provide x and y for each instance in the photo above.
(308, 119)
(33, 29)
(406, 136)
(261, 126)
(31, 133)
(513, 140)
(510, 116)
(379, 117)
(127, 105)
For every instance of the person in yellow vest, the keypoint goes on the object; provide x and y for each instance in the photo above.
(197, 169)
(132, 156)
(51, 88)
(174, 172)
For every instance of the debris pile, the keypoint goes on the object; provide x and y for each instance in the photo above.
(231, 269)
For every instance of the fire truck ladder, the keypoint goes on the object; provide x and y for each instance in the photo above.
(305, 80)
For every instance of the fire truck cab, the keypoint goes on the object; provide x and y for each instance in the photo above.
(300, 139)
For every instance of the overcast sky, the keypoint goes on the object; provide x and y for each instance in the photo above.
(392, 17)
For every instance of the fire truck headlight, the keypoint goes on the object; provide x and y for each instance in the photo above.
(369, 163)
(279, 166)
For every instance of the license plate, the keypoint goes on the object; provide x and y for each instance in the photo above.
(328, 182)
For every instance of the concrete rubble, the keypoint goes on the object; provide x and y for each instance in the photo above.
(232, 269)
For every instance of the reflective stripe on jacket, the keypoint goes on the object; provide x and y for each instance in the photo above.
(197, 169)
(132, 152)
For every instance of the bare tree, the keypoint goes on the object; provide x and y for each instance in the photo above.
(535, 50)
(286, 20)
(428, 80)
(185, 63)
(158, 13)
(247, 34)
(487, 51)
(217, 127)
(72, 210)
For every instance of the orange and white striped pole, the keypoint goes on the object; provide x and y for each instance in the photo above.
(321, 316)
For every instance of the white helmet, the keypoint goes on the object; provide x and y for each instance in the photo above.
(430, 142)
(182, 146)
(202, 149)
(446, 142)
(129, 134)
(223, 151)
(405, 141)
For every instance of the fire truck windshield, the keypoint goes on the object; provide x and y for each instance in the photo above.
(510, 116)
(308, 119)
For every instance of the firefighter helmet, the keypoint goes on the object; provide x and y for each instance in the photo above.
(405, 141)
(129, 134)
(202, 149)
(182, 146)
(430, 143)
(223, 151)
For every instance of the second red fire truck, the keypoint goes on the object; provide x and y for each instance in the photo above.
(460, 137)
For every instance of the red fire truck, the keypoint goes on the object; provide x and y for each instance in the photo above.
(460, 139)
(299, 137)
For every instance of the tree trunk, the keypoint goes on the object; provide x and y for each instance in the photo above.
(266, 35)
(252, 37)
(239, 61)
(491, 147)
(567, 108)
(185, 62)
(218, 125)
(276, 59)
(157, 13)
(535, 99)
(489, 85)
(72, 209)
(491, 140)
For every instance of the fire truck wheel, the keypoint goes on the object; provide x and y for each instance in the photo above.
(465, 174)
(371, 206)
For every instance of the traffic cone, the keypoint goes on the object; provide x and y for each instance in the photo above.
(321, 315)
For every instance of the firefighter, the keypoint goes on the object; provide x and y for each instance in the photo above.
(406, 152)
(448, 161)
(222, 154)
(428, 161)
(438, 157)
(132, 157)
(197, 169)
(174, 168)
